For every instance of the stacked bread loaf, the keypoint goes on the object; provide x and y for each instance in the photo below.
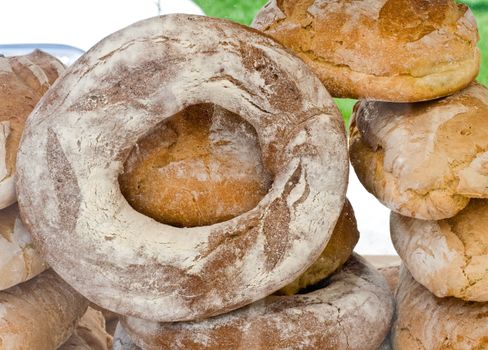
(189, 174)
(38, 310)
(422, 154)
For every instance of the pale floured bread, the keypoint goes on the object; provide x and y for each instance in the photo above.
(351, 310)
(388, 50)
(449, 257)
(19, 259)
(76, 142)
(425, 322)
(40, 314)
(23, 81)
(201, 167)
(90, 333)
(423, 160)
(335, 254)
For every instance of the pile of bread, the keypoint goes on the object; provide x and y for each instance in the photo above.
(189, 174)
(423, 155)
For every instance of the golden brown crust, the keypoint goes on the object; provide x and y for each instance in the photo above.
(39, 314)
(351, 310)
(77, 140)
(423, 160)
(425, 322)
(449, 257)
(201, 167)
(23, 81)
(391, 50)
(335, 254)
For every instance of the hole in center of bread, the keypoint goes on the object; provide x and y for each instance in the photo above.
(200, 167)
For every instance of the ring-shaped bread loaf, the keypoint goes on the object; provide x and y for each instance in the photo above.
(76, 142)
(351, 310)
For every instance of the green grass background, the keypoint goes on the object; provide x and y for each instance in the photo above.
(243, 11)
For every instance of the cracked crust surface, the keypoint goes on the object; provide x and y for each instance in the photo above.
(39, 314)
(425, 322)
(201, 167)
(352, 310)
(79, 137)
(449, 257)
(19, 259)
(388, 50)
(23, 81)
(423, 160)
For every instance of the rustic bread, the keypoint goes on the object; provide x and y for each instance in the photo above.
(449, 257)
(19, 259)
(78, 138)
(350, 310)
(424, 321)
(40, 314)
(423, 160)
(23, 81)
(201, 167)
(389, 50)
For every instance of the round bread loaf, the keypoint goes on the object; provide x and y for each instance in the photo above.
(350, 310)
(77, 140)
(448, 257)
(424, 321)
(90, 333)
(387, 50)
(19, 260)
(23, 81)
(201, 167)
(338, 250)
(423, 160)
(40, 314)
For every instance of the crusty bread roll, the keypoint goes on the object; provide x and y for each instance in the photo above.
(350, 310)
(201, 167)
(335, 254)
(424, 321)
(448, 257)
(423, 160)
(19, 259)
(76, 142)
(388, 50)
(23, 81)
(90, 333)
(40, 314)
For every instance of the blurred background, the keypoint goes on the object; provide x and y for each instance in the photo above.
(67, 28)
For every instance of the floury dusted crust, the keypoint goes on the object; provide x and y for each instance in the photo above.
(80, 135)
(23, 81)
(351, 311)
(423, 160)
